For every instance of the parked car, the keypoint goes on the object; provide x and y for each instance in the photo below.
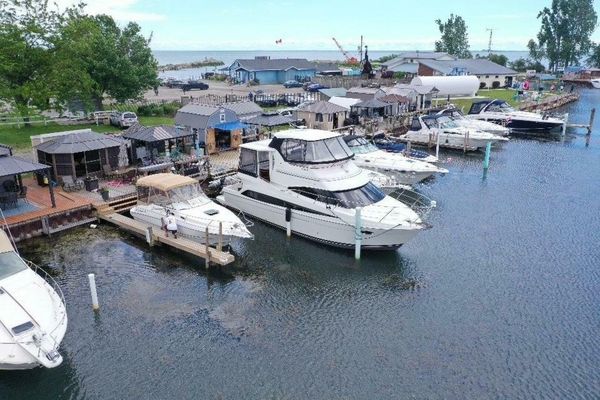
(264, 101)
(194, 85)
(174, 83)
(123, 119)
(292, 84)
(315, 87)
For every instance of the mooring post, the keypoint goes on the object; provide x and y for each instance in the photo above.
(220, 242)
(92, 280)
(207, 248)
(465, 142)
(357, 233)
(437, 145)
(564, 127)
(486, 159)
(288, 222)
(408, 148)
(149, 236)
(592, 116)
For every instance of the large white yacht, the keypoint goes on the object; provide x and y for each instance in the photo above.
(405, 170)
(471, 123)
(33, 317)
(425, 128)
(499, 111)
(193, 210)
(307, 177)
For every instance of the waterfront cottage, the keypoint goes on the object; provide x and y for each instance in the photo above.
(322, 115)
(365, 93)
(490, 74)
(269, 71)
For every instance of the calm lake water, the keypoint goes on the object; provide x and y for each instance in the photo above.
(500, 300)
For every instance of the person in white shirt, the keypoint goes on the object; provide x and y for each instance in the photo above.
(170, 225)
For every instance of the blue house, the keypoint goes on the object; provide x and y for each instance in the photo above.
(269, 71)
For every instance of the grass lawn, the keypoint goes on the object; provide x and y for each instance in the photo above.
(501, 94)
(19, 138)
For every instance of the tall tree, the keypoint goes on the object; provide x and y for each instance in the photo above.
(455, 39)
(594, 58)
(29, 30)
(112, 61)
(500, 59)
(536, 52)
(566, 30)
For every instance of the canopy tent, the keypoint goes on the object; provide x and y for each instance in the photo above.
(13, 167)
(149, 141)
(79, 154)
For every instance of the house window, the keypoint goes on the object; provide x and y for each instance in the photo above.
(319, 117)
(496, 76)
(487, 76)
(222, 117)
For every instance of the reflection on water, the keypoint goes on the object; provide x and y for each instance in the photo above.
(499, 300)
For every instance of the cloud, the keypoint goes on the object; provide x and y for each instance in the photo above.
(120, 10)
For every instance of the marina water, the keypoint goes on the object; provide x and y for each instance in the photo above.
(499, 299)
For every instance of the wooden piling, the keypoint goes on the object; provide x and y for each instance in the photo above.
(207, 259)
(591, 124)
(220, 242)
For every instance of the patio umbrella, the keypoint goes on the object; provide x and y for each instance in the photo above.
(123, 159)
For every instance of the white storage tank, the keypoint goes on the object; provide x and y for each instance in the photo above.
(463, 85)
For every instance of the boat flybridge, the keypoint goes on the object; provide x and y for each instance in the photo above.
(33, 317)
(424, 130)
(471, 123)
(194, 212)
(499, 111)
(406, 170)
(307, 178)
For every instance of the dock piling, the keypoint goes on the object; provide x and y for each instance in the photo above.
(149, 236)
(288, 222)
(92, 280)
(220, 242)
(591, 124)
(437, 145)
(207, 259)
(565, 123)
(486, 159)
(358, 233)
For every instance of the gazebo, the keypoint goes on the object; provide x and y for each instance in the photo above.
(79, 154)
(11, 169)
(372, 108)
(148, 142)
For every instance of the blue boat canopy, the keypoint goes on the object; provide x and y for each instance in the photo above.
(231, 126)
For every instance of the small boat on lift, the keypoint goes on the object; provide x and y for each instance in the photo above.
(160, 194)
(33, 317)
(500, 112)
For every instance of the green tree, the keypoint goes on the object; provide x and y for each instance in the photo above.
(455, 39)
(111, 61)
(29, 30)
(498, 59)
(524, 64)
(594, 58)
(566, 30)
(535, 51)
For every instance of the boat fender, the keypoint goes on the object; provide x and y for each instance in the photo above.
(288, 215)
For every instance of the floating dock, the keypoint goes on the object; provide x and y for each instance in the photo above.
(154, 236)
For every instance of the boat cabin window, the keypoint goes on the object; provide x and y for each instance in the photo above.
(317, 151)
(10, 264)
(248, 162)
(263, 165)
(358, 197)
(415, 125)
(360, 145)
(500, 106)
(477, 107)
(446, 122)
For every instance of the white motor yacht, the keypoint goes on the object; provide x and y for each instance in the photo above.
(307, 178)
(425, 128)
(473, 124)
(193, 210)
(595, 83)
(33, 317)
(405, 170)
(499, 111)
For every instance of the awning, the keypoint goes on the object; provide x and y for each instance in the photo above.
(16, 165)
(230, 126)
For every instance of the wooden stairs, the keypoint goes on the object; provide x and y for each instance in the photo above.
(117, 205)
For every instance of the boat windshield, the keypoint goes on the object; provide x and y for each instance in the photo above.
(446, 122)
(317, 151)
(358, 197)
(360, 145)
(190, 194)
(10, 264)
(500, 106)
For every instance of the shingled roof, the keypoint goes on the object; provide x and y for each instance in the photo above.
(154, 133)
(79, 142)
(277, 64)
(323, 107)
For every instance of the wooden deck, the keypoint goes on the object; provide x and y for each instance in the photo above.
(185, 245)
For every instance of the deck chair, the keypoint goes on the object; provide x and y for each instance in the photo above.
(69, 185)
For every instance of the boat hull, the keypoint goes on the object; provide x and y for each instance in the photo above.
(316, 226)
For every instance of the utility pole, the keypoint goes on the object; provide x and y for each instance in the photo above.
(491, 30)
(360, 49)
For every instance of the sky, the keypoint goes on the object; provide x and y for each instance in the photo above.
(310, 24)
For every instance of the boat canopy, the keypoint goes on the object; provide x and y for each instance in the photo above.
(165, 182)
(5, 243)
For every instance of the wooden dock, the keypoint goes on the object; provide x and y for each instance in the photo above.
(549, 103)
(154, 236)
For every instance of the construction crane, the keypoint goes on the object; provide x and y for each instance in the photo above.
(349, 59)
(491, 30)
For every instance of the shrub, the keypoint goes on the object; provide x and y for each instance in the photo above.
(495, 85)
(482, 85)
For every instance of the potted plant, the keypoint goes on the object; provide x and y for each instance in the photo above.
(104, 193)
